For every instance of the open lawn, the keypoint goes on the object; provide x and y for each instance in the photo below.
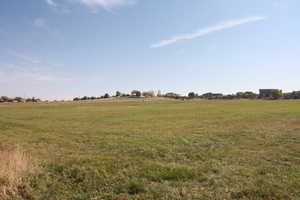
(164, 149)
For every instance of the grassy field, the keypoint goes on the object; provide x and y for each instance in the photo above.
(190, 150)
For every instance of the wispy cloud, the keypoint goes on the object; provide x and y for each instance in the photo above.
(11, 72)
(93, 4)
(106, 3)
(51, 3)
(58, 7)
(24, 57)
(40, 22)
(206, 31)
(48, 77)
(29, 68)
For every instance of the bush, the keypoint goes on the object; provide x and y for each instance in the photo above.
(132, 187)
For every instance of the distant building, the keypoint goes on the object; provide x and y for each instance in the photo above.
(292, 95)
(172, 95)
(268, 93)
(212, 95)
(136, 94)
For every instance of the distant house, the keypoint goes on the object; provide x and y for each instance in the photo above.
(292, 95)
(268, 93)
(172, 95)
(212, 95)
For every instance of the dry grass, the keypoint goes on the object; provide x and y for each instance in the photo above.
(158, 150)
(15, 164)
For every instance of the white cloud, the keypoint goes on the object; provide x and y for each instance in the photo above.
(206, 31)
(51, 3)
(105, 3)
(58, 7)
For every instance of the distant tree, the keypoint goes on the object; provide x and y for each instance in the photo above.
(250, 95)
(106, 96)
(136, 93)
(76, 99)
(5, 98)
(10, 100)
(240, 95)
(19, 99)
(229, 96)
(246, 95)
(118, 94)
(212, 96)
(192, 95)
(149, 94)
(276, 94)
(33, 99)
(84, 98)
(125, 95)
(28, 100)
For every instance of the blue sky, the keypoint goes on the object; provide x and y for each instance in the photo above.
(59, 49)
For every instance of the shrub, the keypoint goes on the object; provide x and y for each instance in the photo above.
(161, 173)
(132, 187)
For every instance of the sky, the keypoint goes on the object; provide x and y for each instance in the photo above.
(60, 49)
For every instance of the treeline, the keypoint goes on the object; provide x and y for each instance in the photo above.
(106, 96)
(118, 94)
(5, 99)
(269, 95)
(238, 95)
